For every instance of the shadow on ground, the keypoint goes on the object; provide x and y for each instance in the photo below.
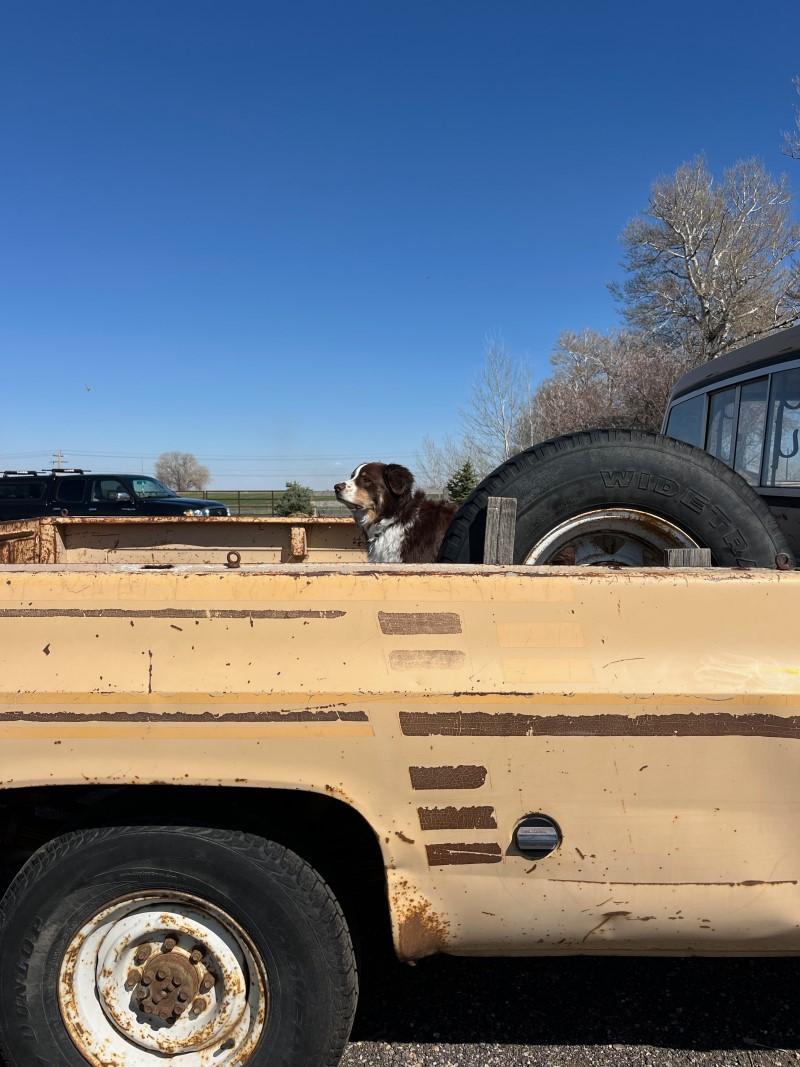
(676, 1003)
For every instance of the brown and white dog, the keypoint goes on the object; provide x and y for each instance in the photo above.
(401, 525)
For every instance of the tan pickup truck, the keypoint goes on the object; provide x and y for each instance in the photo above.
(216, 782)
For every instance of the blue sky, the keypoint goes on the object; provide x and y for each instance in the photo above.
(278, 234)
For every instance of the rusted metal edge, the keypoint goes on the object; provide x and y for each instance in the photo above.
(452, 818)
(746, 882)
(690, 724)
(184, 716)
(413, 623)
(167, 613)
(460, 777)
(459, 853)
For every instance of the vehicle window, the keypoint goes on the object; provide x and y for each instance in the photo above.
(146, 487)
(721, 413)
(750, 430)
(686, 420)
(783, 434)
(12, 490)
(71, 490)
(105, 490)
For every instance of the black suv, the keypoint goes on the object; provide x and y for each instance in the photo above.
(744, 408)
(31, 494)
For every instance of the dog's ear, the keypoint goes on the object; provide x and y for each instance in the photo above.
(399, 480)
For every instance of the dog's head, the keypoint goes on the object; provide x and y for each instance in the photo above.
(378, 490)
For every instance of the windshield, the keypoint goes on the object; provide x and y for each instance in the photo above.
(146, 487)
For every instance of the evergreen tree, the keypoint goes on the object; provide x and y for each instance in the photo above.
(297, 500)
(462, 482)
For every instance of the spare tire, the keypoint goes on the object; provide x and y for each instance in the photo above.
(621, 498)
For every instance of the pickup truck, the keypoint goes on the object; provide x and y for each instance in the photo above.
(221, 788)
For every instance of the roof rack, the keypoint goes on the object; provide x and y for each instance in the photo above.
(53, 470)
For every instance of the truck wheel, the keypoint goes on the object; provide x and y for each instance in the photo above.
(206, 948)
(621, 498)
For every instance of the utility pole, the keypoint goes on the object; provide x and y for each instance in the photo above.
(58, 459)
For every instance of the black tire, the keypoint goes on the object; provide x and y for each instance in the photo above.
(286, 909)
(570, 475)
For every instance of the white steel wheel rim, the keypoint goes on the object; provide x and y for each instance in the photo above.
(213, 994)
(640, 537)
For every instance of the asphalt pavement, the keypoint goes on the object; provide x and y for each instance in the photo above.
(449, 1012)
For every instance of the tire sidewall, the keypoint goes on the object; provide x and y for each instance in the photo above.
(36, 933)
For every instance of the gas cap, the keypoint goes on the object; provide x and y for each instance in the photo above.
(537, 836)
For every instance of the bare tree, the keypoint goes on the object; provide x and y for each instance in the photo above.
(181, 471)
(437, 463)
(496, 404)
(712, 265)
(603, 380)
(792, 137)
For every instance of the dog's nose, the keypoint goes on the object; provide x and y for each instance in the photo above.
(338, 487)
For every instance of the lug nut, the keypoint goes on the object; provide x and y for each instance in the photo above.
(134, 977)
(183, 996)
(161, 974)
(147, 979)
(179, 1009)
(169, 944)
(197, 953)
(176, 978)
(199, 1004)
(208, 982)
(141, 993)
(142, 952)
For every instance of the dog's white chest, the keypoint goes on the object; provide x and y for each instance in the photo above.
(386, 544)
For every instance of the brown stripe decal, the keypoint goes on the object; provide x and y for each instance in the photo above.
(711, 724)
(165, 613)
(461, 777)
(407, 623)
(409, 659)
(183, 716)
(478, 818)
(442, 855)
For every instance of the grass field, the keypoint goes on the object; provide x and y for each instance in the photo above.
(265, 501)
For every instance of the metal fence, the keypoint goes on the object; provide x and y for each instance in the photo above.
(266, 501)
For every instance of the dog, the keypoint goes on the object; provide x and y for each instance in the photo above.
(401, 524)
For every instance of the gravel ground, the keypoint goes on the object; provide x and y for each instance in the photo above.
(579, 1012)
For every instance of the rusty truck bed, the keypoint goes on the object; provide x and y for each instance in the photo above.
(653, 715)
(160, 540)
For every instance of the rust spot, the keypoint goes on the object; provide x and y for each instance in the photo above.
(411, 623)
(402, 836)
(477, 852)
(184, 716)
(409, 659)
(477, 818)
(461, 777)
(421, 932)
(608, 915)
(165, 613)
(46, 649)
(504, 724)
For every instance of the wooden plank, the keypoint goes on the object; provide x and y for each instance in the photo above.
(501, 527)
(688, 557)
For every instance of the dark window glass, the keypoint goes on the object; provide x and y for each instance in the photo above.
(105, 490)
(721, 414)
(783, 434)
(750, 430)
(686, 420)
(71, 490)
(14, 490)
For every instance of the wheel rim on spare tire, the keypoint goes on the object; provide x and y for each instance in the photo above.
(163, 975)
(608, 537)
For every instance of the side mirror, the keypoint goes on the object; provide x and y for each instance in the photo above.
(124, 498)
